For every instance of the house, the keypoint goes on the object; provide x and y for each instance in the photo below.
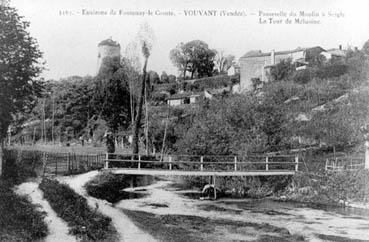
(183, 98)
(233, 70)
(254, 65)
(335, 54)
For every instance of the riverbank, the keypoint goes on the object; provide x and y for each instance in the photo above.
(343, 188)
(175, 208)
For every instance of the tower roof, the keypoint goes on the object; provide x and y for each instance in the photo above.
(109, 42)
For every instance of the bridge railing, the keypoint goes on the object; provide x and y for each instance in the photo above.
(203, 163)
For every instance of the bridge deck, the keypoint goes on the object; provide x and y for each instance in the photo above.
(134, 171)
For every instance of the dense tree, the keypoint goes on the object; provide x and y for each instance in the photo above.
(282, 71)
(19, 68)
(111, 101)
(172, 79)
(111, 97)
(194, 57)
(164, 77)
(154, 78)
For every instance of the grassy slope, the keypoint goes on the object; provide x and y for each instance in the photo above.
(20, 220)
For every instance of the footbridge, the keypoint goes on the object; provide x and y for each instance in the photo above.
(187, 165)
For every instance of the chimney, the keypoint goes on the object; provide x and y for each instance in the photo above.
(340, 47)
(272, 57)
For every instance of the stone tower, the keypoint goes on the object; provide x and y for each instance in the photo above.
(107, 48)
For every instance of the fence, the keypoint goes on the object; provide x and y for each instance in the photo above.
(344, 163)
(71, 163)
(56, 163)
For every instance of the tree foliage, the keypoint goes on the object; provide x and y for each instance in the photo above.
(195, 57)
(19, 66)
(111, 97)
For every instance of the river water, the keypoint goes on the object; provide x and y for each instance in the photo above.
(314, 223)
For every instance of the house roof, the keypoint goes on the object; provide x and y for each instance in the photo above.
(183, 95)
(337, 52)
(252, 54)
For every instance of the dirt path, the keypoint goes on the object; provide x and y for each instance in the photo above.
(58, 228)
(125, 227)
(298, 220)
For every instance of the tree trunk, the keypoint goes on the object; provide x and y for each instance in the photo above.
(146, 121)
(184, 72)
(136, 125)
(1, 156)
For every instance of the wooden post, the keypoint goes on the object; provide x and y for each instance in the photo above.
(215, 189)
(201, 163)
(366, 165)
(44, 162)
(139, 162)
(267, 163)
(56, 167)
(296, 163)
(326, 164)
(68, 163)
(106, 160)
(235, 163)
(170, 162)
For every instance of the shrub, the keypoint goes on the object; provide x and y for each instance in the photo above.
(331, 187)
(21, 165)
(332, 70)
(85, 223)
(20, 220)
(109, 186)
(302, 77)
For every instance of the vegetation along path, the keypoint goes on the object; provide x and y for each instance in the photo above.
(58, 228)
(125, 227)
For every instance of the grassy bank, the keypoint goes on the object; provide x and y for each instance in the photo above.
(109, 186)
(336, 188)
(86, 223)
(194, 228)
(20, 220)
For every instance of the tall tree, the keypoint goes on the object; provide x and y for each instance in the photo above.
(19, 68)
(145, 38)
(111, 96)
(194, 56)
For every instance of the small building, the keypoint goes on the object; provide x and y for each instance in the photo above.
(335, 54)
(255, 64)
(233, 70)
(183, 98)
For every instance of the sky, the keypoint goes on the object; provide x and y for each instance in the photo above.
(69, 38)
